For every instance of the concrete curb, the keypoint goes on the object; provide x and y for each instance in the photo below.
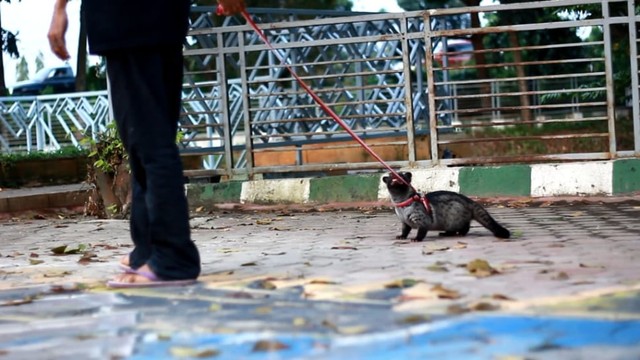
(601, 178)
(49, 197)
(540, 182)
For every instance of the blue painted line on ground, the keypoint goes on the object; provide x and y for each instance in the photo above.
(475, 337)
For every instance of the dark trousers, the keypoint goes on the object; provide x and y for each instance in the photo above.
(145, 88)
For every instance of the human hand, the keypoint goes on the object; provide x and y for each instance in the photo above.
(58, 30)
(230, 7)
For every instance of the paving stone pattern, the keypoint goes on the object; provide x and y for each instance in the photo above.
(318, 283)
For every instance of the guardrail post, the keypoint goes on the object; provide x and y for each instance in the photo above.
(608, 69)
(39, 129)
(408, 94)
(245, 106)
(431, 89)
(224, 109)
(633, 57)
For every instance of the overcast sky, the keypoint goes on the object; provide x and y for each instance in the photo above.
(31, 19)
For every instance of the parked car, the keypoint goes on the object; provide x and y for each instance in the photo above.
(458, 51)
(51, 80)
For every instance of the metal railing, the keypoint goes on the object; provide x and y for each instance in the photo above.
(506, 101)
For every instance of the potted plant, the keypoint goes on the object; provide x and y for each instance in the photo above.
(109, 173)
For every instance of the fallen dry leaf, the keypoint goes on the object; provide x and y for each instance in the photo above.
(561, 276)
(87, 257)
(352, 330)
(59, 250)
(57, 274)
(437, 268)
(591, 266)
(460, 245)
(23, 301)
(188, 352)
(329, 324)
(431, 248)
(556, 246)
(263, 310)
(584, 282)
(501, 297)
(322, 281)
(69, 250)
(481, 268)
(414, 319)
(484, 306)
(299, 321)
(519, 203)
(264, 221)
(61, 289)
(274, 254)
(344, 248)
(401, 284)
(268, 345)
(240, 295)
(444, 293)
(457, 309)
(511, 357)
(266, 285)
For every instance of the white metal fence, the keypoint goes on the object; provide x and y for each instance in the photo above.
(507, 99)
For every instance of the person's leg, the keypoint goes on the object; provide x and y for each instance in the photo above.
(139, 221)
(146, 88)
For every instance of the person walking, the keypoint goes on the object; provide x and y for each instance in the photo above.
(142, 43)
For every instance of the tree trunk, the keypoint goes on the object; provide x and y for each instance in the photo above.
(480, 58)
(3, 84)
(525, 111)
(112, 194)
(81, 65)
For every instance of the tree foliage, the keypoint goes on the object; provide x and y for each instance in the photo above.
(538, 37)
(39, 61)
(414, 5)
(22, 70)
(8, 44)
(9, 40)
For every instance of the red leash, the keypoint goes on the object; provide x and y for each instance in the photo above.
(321, 103)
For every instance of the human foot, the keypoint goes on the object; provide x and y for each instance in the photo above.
(144, 277)
(125, 264)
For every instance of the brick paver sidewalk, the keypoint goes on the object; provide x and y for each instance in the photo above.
(331, 284)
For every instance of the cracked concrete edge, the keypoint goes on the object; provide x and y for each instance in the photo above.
(538, 181)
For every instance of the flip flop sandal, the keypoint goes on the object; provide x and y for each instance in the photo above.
(154, 281)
